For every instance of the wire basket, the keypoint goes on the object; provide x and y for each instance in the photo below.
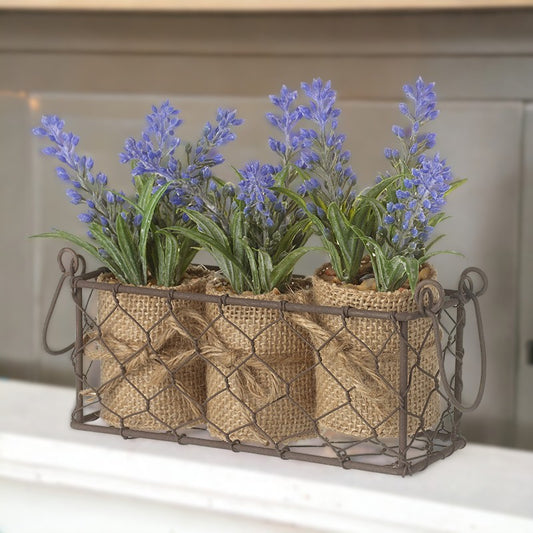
(265, 376)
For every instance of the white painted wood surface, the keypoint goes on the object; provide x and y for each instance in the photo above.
(53, 478)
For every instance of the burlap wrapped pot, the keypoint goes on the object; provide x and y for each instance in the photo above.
(259, 375)
(358, 378)
(151, 379)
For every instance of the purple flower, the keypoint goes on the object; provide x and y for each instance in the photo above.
(285, 122)
(62, 174)
(256, 191)
(222, 133)
(84, 186)
(420, 108)
(424, 100)
(156, 153)
(74, 196)
(308, 186)
(65, 144)
(421, 197)
(321, 150)
(87, 218)
(321, 106)
(399, 132)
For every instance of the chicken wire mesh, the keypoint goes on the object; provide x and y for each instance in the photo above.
(369, 389)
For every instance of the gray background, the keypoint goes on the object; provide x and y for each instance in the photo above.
(101, 73)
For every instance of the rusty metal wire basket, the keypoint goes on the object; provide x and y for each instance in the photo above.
(192, 370)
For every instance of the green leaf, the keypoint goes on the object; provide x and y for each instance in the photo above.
(158, 258)
(252, 268)
(286, 242)
(93, 250)
(264, 268)
(375, 190)
(350, 245)
(454, 184)
(128, 250)
(434, 241)
(426, 257)
(411, 267)
(283, 270)
(335, 258)
(377, 258)
(127, 274)
(318, 224)
(382, 271)
(187, 252)
(341, 230)
(237, 234)
(281, 177)
(171, 257)
(213, 230)
(367, 207)
(74, 239)
(437, 219)
(148, 204)
(209, 227)
(223, 255)
(167, 257)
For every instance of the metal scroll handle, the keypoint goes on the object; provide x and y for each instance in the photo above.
(430, 303)
(68, 270)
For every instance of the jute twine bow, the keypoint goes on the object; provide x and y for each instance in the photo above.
(247, 378)
(133, 356)
(241, 366)
(358, 364)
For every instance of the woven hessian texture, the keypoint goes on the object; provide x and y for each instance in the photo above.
(147, 396)
(358, 393)
(260, 379)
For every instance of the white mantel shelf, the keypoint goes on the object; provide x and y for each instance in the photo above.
(53, 478)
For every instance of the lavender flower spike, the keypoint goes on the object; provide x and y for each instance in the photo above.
(77, 171)
(256, 191)
(286, 123)
(419, 198)
(154, 152)
(420, 108)
(424, 100)
(322, 100)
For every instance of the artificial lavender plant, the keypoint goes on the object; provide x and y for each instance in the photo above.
(328, 191)
(186, 179)
(127, 233)
(258, 237)
(411, 207)
(393, 219)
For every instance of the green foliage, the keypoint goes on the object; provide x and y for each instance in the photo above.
(135, 253)
(334, 227)
(246, 267)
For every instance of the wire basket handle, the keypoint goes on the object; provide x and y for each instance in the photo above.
(68, 270)
(466, 293)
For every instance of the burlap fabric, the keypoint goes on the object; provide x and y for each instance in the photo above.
(358, 379)
(260, 379)
(151, 378)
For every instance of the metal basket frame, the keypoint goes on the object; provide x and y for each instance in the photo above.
(405, 455)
